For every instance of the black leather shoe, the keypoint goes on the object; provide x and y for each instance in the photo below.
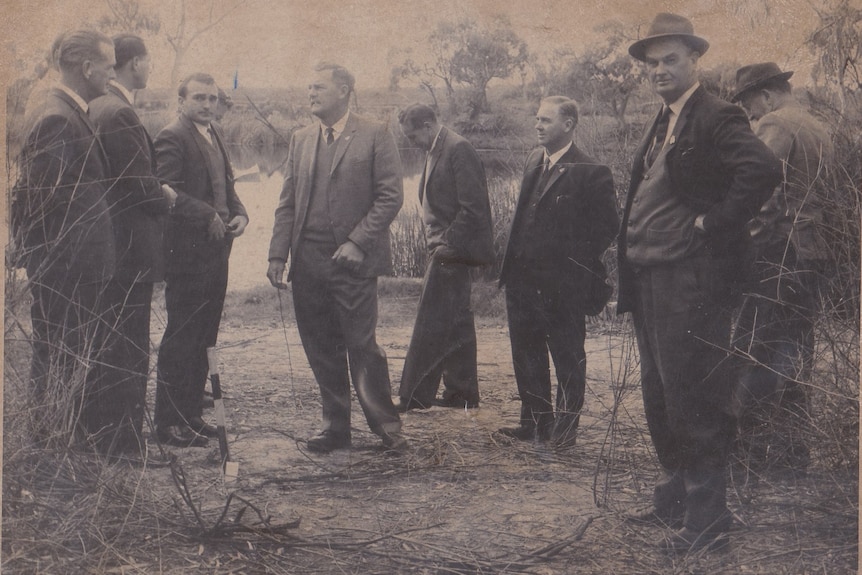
(394, 442)
(456, 402)
(651, 515)
(522, 432)
(404, 405)
(329, 440)
(200, 426)
(687, 540)
(180, 436)
(565, 439)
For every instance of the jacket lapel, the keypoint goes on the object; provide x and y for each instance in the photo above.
(343, 142)
(683, 117)
(558, 170)
(640, 154)
(305, 176)
(201, 146)
(85, 119)
(432, 163)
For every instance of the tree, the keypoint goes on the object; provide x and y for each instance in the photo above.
(179, 24)
(483, 54)
(129, 16)
(606, 73)
(194, 19)
(837, 44)
(464, 54)
(423, 74)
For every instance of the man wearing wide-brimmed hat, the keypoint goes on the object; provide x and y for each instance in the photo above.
(776, 323)
(699, 175)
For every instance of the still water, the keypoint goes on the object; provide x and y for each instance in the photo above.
(259, 185)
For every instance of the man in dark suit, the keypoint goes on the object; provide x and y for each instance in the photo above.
(342, 189)
(699, 175)
(138, 206)
(62, 221)
(207, 216)
(458, 234)
(565, 219)
(775, 326)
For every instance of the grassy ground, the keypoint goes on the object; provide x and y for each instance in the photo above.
(463, 500)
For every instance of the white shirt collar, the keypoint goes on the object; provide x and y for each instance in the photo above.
(72, 94)
(555, 157)
(337, 127)
(130, 98)
(204, 130)
(677, 106)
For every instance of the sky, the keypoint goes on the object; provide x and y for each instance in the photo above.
(276, 42)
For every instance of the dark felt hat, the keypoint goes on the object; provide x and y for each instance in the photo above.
(666, 25)
(756, 75)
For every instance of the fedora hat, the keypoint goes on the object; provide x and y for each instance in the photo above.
(666, 25)
(755, 76)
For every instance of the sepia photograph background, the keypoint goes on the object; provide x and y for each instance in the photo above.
(464, 499)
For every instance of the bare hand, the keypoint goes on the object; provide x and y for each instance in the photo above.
(274, 274)
(216, 228)
(349, 255)
(237, 226)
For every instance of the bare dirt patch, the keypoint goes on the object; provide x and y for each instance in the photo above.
(464, 499)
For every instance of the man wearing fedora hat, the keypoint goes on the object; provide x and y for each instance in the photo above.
(699, 175)
(775, 326)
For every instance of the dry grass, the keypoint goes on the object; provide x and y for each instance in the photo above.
(464, 500)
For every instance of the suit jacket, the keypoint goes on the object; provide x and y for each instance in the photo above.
(364, 192)
(719, 168)
(59, 211)
(183, 163)
(575, 221)
(795, 209)
(456, 208)
(137, 203)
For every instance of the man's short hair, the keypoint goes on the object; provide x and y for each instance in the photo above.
(201, 77)
(415, 116)
(128, 47)
(340, 74)
(566, 106)
(79, 46)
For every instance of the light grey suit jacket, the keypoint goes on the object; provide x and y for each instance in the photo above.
(365, 192)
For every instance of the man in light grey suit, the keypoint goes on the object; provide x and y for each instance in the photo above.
(342, 189)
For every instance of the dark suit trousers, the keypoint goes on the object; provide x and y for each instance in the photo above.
(775, 332)
(194, 303)
(683, 334)
(336, 314)
(127, 361)
(68, 332)
(545, 317)
(444, 338)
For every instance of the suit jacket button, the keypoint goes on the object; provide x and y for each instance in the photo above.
(646, 176)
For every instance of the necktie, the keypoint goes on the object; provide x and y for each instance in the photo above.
(546, 165)
(211, 133)
(660, 135)
(329, 136)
